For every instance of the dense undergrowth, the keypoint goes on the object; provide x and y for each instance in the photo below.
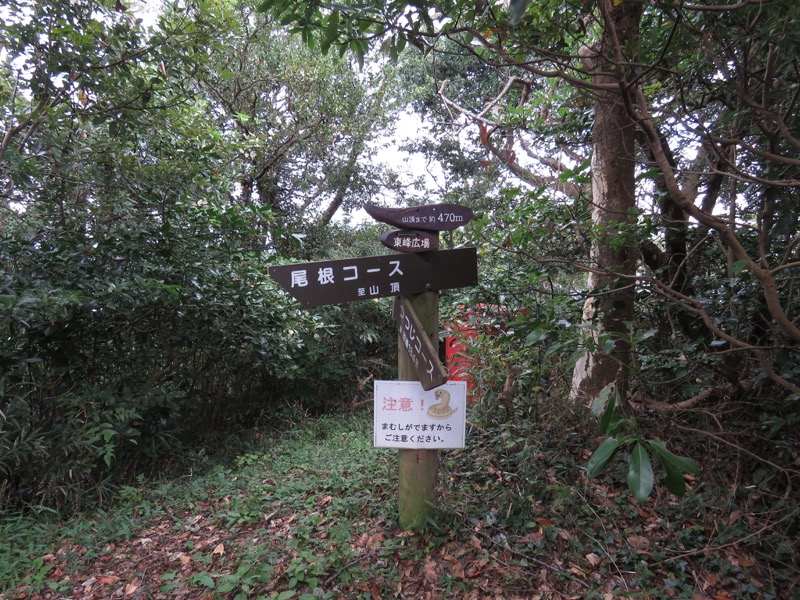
(310, 512)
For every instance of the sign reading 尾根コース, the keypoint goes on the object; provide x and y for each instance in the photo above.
(347, 280)
(407, 416)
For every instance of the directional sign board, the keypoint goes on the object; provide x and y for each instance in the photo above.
(347, 280)
(408, 240)
(435, 217)
(429, 369)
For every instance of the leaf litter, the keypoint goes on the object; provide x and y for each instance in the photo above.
(301, 521)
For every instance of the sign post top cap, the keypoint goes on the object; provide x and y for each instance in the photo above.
(434, 217)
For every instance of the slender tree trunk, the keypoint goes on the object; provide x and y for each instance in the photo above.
(347, 177)
(359, 142)
(609, 306)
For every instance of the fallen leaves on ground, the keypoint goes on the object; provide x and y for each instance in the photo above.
(558, 547)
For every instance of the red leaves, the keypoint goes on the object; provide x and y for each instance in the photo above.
(430, 571)
(484, 133)
(132, 587)
(640, 544)
(509, 156)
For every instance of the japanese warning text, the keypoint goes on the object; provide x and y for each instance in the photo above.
(407, 416)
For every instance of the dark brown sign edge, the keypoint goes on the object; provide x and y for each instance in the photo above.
(394, 216)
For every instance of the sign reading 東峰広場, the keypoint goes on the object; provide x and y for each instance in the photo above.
(408, 240)
(346, 280)
(409, 417)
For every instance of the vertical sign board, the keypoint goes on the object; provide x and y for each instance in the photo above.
(429, 369)
(411, 418)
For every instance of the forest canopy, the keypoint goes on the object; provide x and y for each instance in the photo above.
(635, 166)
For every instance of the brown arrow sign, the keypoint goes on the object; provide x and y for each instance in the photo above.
(429, 369)
(436, 217)
(350, 279)
(407, 240)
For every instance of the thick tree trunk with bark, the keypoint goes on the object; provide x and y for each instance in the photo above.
(609, 306)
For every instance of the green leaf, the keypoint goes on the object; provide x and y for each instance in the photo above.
(534, 336)
(609, 416)
(615, 425)
(640, 473)
(265, 6)
(202, 578)
(599, 403)
(674, 481)
(331, 32)
(574, 358)
(683, 464)
(602, 456)
(739, 266)
(604, 406)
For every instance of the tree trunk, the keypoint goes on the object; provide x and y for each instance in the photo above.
(609, 305)
(372, 116)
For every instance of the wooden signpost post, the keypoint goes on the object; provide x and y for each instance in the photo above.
(414, 277)
(418, 467)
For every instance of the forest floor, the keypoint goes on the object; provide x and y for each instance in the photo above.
(312, 513)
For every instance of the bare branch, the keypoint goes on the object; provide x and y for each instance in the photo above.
(641, 114)
(504, 154)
